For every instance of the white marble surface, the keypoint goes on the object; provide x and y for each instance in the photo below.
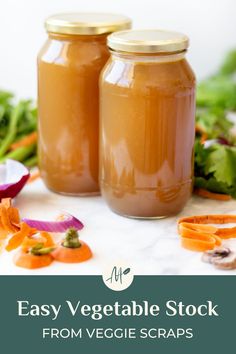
(149, 247)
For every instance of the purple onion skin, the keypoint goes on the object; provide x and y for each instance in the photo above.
(224, 141)
(11, 190)
(55, 226)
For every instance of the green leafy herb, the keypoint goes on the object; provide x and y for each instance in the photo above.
(221, 162)
(229, 65)
(16, 121)
(218, 92)
(214, 122)
(215, 160)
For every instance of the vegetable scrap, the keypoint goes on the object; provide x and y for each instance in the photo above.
(66, 222)
(35, 238)
(25, 141)
(197, 236)
(207, 194)
(35, 251)
(198, 239)
(30, 261)
(18, 237)
(13, 177)
(71, 249)
(215, 143)
(18, 125)
(221, 258)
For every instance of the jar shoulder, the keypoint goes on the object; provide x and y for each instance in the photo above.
(121, 73)
(73, 53)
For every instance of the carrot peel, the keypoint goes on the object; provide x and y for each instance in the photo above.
(197, 236)
(17, 238)
(211, 195)
(9, 217)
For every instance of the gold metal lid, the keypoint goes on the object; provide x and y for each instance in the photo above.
(148, 41)
(86, 23)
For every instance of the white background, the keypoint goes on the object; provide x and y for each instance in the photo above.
(210, 24)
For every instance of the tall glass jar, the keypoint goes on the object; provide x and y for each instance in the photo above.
(147, 114)
(69, 65)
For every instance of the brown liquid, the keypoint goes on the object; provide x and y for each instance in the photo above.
(68, 73)
(147, 136)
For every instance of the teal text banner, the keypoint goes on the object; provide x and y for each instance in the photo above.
(79, 314)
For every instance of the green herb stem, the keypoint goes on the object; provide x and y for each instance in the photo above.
(31, 161)
(19, 154)
(12, 129)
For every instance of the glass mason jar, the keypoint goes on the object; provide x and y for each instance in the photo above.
(147, 115)
(69, 65)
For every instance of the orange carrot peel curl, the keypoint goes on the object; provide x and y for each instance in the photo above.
(19, 232)
(207, 194)
(17, 238)
(35, 251)
(9, 217)
(10, 224)
(197, 236)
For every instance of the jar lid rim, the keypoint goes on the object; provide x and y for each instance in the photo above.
(84, 23)
(148, 41)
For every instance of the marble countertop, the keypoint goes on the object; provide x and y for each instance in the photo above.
(149, 247)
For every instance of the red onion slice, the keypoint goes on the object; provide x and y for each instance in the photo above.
(55, 226)
(13, 177)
